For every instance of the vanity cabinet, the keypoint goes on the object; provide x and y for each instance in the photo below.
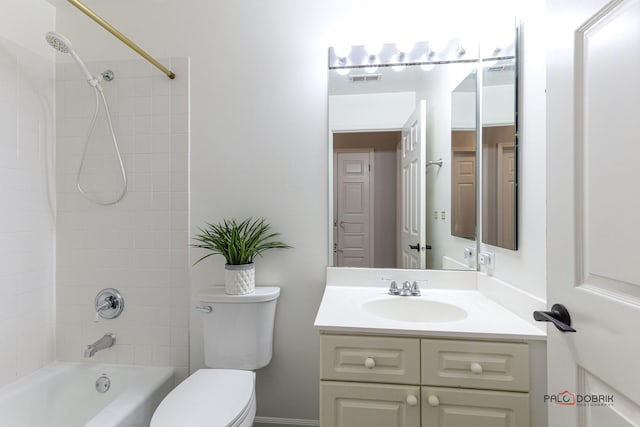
(422, 382)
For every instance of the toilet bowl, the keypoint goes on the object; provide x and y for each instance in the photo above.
(210, 398)
(238, 338)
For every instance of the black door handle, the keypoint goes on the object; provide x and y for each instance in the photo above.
(416, 247)
(559, 316)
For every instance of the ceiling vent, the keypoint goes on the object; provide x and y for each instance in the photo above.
(357, 78)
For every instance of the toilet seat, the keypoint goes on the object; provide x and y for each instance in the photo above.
(211, 398)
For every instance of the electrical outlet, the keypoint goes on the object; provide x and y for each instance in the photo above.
(487, 259)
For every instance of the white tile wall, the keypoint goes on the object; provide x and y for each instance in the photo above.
(139, 245)
(27, 211)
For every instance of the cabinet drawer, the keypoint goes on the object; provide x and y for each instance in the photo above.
(475, 364)
(370, 359)
(460, 407)
(371, 405)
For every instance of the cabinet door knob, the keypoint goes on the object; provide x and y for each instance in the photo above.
(369, 363)
(412, 400)
(476, 368)
(433, 400)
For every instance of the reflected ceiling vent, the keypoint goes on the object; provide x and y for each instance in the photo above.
(357, 78)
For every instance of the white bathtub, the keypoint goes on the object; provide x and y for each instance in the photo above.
(65, 395)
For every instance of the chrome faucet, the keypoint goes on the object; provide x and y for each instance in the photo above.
(108, 340)
(408, 289)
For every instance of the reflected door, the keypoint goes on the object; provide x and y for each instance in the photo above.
(413, 203)
(354, 213)
(593, 211)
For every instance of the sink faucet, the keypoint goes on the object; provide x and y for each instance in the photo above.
(108, 340)
(407, 289)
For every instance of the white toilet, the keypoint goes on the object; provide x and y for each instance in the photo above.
(238, 338)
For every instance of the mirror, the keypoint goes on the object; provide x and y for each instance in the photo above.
(499, 154)
(403, 132)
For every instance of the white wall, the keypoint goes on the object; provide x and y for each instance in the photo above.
(139, 245)
(27, 183)
(259, 138)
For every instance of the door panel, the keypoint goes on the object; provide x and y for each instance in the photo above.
(450, 407)
(593, 208)
(353, 209)
(372, 405)
(413, 204)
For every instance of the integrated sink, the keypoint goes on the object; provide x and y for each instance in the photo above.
(411, 309)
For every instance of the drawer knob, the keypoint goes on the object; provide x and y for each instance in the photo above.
(476, 368)
(433, 400)
(369, 363)
(412, 400)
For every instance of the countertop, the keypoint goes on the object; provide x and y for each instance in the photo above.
(341, 311)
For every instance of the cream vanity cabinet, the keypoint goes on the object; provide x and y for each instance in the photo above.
(422, 382)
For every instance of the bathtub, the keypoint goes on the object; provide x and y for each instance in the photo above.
(66, 395)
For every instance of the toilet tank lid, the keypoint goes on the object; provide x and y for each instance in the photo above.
(217, 294)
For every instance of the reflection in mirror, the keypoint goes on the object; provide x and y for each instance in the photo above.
(393, 163)
(463, 158)
(499, 154)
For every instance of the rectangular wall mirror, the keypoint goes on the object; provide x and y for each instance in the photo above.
(499, 153)
(404, 131)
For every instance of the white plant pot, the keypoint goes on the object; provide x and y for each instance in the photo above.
(239, 279)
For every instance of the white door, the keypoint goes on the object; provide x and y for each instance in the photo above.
(413, 203)
(354, 198)
(593, 147)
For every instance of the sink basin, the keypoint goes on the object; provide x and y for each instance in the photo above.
(410, 309)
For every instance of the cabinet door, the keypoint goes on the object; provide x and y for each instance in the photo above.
(345, 404)
(449, 407)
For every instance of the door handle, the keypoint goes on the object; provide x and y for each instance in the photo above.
(416, 247)
(559, 316)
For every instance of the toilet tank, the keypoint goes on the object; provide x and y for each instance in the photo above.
(238, 332)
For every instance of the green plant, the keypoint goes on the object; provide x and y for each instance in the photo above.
(238, 243)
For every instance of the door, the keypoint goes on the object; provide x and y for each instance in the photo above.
(412, 192)
(506, 195)
(463, 184)
(593, 209)
(354, 214)
(459, 407)
(346, 404)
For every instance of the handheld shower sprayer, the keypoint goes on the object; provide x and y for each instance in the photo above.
(63, 45)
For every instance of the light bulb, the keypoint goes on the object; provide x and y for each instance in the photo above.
(373, 48)
(343, 71)
(398, 67)
(371, 69)
(427, 67)
(342, 51)
(438, 45)
(405, 46)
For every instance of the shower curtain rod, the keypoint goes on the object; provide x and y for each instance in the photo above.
(104, 24)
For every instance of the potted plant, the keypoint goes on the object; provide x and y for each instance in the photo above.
(239, 244)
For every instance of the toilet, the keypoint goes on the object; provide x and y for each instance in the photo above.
(238, 339)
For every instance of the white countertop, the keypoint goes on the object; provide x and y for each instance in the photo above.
(341, 311)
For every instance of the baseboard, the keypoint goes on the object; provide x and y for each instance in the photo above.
(278, 422)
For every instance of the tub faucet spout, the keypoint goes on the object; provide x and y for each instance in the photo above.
(108, 340)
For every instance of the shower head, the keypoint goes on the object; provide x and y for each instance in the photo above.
(58, 42)
(63, 45)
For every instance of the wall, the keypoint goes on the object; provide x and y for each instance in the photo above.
(259, 138)
(27, 182)
(139, 245)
